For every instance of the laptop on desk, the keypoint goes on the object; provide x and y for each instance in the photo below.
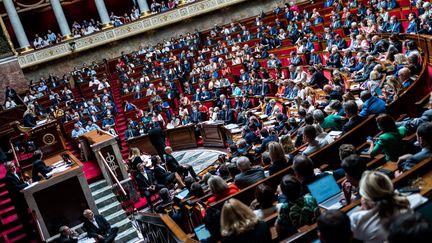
(201, 232)
(326, 192)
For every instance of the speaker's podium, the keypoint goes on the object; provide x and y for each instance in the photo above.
(213, 134)
(108, 155)
(61, 199)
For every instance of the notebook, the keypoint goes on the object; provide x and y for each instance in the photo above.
(327, 192)
(201, 232)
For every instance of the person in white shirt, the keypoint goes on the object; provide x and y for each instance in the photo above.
(37, 43)
(379, 204)
(301, 75)
(10, 103)
(94, 82)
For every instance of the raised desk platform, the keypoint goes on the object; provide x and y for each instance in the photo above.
(61, 199)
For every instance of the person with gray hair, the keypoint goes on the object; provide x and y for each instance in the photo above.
(405, 77)
(67, 235)
(332, 121)
(220, 189)
(98, 227)
(248, 174)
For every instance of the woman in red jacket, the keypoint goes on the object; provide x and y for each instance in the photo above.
(220, 189)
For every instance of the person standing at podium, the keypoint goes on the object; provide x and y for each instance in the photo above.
(30, 116)
(157, 139)
(39, 167)
(14, 184)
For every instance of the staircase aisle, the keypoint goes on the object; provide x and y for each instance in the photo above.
(111, 209)
(120, 118)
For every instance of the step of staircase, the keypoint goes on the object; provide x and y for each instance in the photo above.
(109, 207)
(104, 191)
(98, 185)
(105, 200)
(129, 235)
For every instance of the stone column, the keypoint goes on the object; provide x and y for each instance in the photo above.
(103, 13)
(61, 18)
(143, 6)
(17, 25)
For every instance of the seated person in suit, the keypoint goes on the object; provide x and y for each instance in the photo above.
(248, 175)
(351, 110)
(166, 200)
(162, 175)
(267, 139)
(173, 165)
(309, 136)
(67, 235)
(77, 131)
(227, 115)
(424, 138)
(147, 184)
(39, 167)
(98, 227)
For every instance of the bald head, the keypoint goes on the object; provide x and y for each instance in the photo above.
(168, 150)
(88, 214)
(327, 88)
(404, 74)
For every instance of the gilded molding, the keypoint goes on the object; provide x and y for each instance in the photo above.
(134, 28)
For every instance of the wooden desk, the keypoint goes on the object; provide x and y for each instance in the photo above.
(182, 137)
(61, 199)
(95, 137)
(213, 134)
(142, 143)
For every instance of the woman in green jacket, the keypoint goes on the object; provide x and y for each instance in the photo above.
(390, 142)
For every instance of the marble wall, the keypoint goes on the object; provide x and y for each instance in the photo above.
(11, 75)
(223, 16)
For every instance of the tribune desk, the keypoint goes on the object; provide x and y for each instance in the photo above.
(182, 137)
(107, 152)
(213, 134)
(61, 199)
(104, 144)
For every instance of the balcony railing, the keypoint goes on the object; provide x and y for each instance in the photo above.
(127, 30)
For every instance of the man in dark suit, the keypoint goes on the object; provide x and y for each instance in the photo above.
(174, 166)
(248, 175)
(378, 45)
(147, 184)
(267, 139)
(98, 227)
(351, 111)
(226, 115)
(14, 184)
(195, 115)
(39, 167)
(317, 78)
(157, 139)
(223, 101)
(67, 235)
